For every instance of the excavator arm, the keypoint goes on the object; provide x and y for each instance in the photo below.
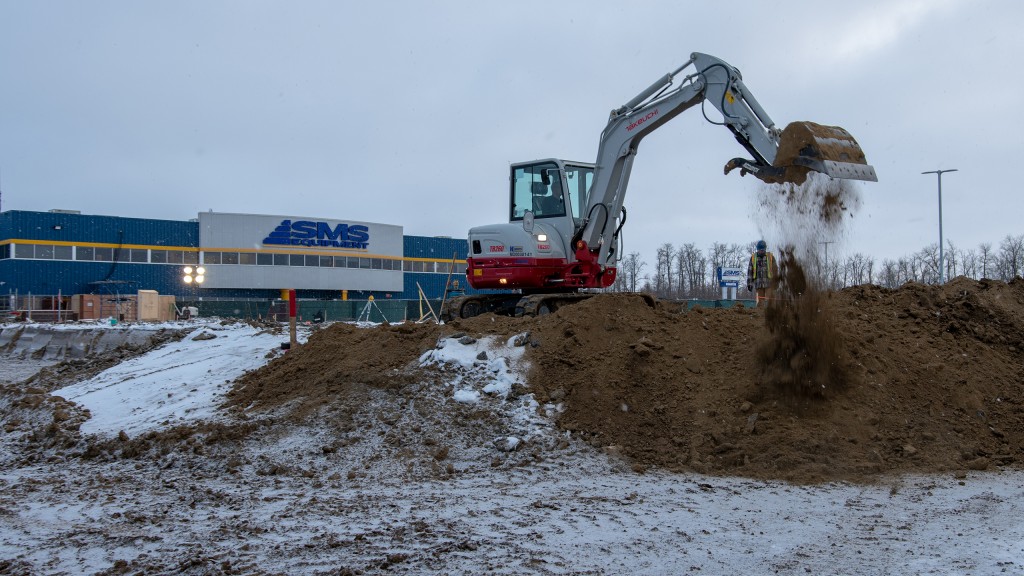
(777, 155)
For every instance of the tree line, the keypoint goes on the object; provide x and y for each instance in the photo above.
(687, 271)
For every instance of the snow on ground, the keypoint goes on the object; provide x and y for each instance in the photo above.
(178, 383)
(576, 511)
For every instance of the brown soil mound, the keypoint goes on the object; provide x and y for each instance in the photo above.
(932, 381)
(333, 361)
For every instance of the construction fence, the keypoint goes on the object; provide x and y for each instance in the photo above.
(142, 307)
(392, 311)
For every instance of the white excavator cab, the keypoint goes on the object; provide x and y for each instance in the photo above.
(550, 189)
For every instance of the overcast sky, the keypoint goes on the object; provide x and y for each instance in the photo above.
(409, 113)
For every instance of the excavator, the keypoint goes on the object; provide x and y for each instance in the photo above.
(562, 238)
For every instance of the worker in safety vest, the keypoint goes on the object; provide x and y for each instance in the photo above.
(762, 272)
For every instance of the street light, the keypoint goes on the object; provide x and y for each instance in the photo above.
(198, 275)
(942, 261)
(194, 277)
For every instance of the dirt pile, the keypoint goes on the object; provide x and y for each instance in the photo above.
(934, 381)
(333, 361)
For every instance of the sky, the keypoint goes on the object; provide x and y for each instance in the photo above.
(410, 113)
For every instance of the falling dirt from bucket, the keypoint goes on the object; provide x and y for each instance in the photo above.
(803, 354)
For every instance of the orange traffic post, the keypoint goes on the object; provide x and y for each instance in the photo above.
(291, 318)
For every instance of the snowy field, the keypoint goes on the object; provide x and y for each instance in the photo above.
(278, 504)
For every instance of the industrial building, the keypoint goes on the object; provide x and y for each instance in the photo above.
(244, 258)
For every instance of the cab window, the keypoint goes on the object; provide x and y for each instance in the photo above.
(537, 187)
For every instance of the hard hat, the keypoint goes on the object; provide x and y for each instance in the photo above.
(762, 245)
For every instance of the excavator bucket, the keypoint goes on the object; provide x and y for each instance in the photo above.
(806, 146)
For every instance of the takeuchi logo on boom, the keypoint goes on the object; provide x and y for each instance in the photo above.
(319, 234)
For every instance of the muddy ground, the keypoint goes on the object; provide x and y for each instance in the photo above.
(917, 380)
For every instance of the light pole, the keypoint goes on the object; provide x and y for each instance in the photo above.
(194, 277)
(826, 243)
(942, 261)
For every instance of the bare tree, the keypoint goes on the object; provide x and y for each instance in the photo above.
(985, 259)
(1011, 257)
(717, 256)
(857, 270)
(663, 270)
(691, 271)
(738, 254)
(889, 275)
(928, 264)
(908, 270)
(630, 269)
(950, 256)
(969, 263)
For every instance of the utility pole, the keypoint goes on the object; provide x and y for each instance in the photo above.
(942, 261)
(826, 243)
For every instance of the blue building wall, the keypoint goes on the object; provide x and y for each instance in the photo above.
(60, 227)
(69, 277)
(436, 248)
(48, 277)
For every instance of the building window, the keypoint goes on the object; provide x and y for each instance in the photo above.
(24, 251)
(44, 252)
(442, 267)
(376, 264)
(190, 257)
(339, 262)
(247, 259)
(460, 268)
(139, 255)
(157, 256)
(353, 262)
(175, 257)
(211, 257)
(297, 259)
(265, 259)
(364, 263)
(62, 252)
(83, 253)
(281, 260)
(312, 260)
(326, 262)
(103, 254)
(5, 252)
(229, 258)
(407, 265)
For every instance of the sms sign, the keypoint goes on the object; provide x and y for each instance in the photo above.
(319, 234)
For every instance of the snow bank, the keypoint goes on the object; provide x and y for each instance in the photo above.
(177, 383)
